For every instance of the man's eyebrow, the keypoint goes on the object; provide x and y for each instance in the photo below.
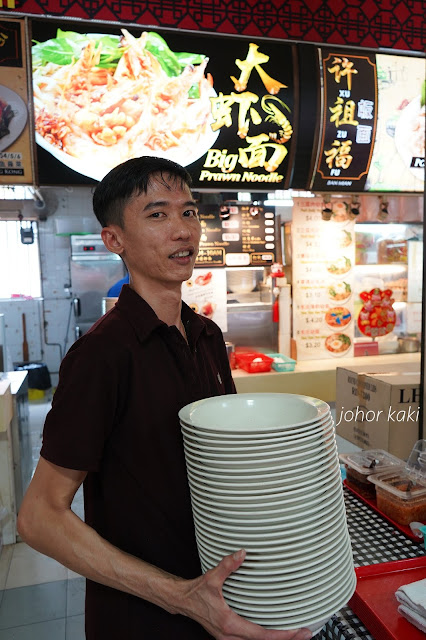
(165, 203)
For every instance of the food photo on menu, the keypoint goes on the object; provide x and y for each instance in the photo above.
(13, 117)
(102, 99)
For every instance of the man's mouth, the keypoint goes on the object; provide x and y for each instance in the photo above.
(182, 254)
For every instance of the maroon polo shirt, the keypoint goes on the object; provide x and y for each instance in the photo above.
(115, 415)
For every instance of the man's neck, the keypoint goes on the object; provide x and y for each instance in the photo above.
(166, 302)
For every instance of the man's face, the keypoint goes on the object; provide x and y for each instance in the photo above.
(161, 233)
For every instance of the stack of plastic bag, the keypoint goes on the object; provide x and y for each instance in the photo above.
(412, 599)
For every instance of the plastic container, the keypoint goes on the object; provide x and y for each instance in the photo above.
(253, 362)
(362, 464)
(281, 362)
(401, 492)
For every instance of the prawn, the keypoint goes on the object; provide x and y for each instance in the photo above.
(278, 117)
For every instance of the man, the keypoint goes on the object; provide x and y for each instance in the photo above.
(114, 427)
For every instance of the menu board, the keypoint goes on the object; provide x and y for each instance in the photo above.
(349, 121)
(236, 235)
(222, 107)
(16, 162)
(399, 151)
(323, 261)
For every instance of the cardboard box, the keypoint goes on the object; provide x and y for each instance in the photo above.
(377, 407)
(6, 406)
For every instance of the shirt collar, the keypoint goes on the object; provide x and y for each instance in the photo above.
(145, 321)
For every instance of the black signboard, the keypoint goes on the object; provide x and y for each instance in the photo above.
(236, 236)
(349, 121)
(224, 107)
(10, 44)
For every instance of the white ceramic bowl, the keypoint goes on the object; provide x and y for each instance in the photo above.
(269, 550)
(286, 562)
(242, 490)
(254, 494)
(260, 534)
(310, 597)
(283, 504)
(296, 567)
(327, 606)
(288, 590)
(253, 412)
(313, 430)
(243, 480)
(289, 580)
(240, 521)
(284, 499)
(292, 537)
(252, 453)
(259, 465)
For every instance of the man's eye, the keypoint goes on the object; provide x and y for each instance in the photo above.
(191, 213)
(156, 214)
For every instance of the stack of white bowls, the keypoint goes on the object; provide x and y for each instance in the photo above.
(264, 475)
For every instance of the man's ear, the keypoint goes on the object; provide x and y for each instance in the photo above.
(112, 239)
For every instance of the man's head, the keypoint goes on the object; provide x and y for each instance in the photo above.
(130, 179)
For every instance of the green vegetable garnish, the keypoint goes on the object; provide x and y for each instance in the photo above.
(67, 47)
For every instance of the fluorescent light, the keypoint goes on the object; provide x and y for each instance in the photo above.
(16, 193)
(279, 203)
(244, 196)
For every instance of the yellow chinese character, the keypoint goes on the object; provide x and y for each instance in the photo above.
(340, 154)
(253, 61)
(344, 70)
(255, 154)
(221, 111)
(348, 111)
(3, 36)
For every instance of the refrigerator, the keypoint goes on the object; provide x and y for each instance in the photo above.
(94, 270)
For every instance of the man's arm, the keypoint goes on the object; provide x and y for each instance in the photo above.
(47, 523)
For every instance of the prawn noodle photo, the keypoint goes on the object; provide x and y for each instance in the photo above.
(221, 106)
(114, 93)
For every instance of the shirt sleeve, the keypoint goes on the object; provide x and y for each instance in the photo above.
(84, 407)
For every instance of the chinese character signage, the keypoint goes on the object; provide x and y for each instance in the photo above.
(349, 121)
(16, 163)
(236, 236)
(323, 258)
(222, 107)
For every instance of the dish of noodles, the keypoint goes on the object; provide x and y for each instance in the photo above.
(13, 117)
(101, 99)
(338, 343)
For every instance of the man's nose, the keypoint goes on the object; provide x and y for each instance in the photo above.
(182, 229)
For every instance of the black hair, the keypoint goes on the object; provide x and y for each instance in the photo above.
(130, 179)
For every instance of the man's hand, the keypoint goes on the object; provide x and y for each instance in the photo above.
(203, 601)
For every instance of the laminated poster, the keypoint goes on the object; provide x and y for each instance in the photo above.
(323, 265)
(16, 163)
(205, 293)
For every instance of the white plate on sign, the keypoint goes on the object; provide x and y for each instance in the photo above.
(20, 116)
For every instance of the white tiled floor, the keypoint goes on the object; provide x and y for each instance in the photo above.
(39, 598)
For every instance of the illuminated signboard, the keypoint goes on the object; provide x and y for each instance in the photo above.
(16, 158)
(349, 121)
(236, 236)
(225, 110)
(399, 150)
(373, 123)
